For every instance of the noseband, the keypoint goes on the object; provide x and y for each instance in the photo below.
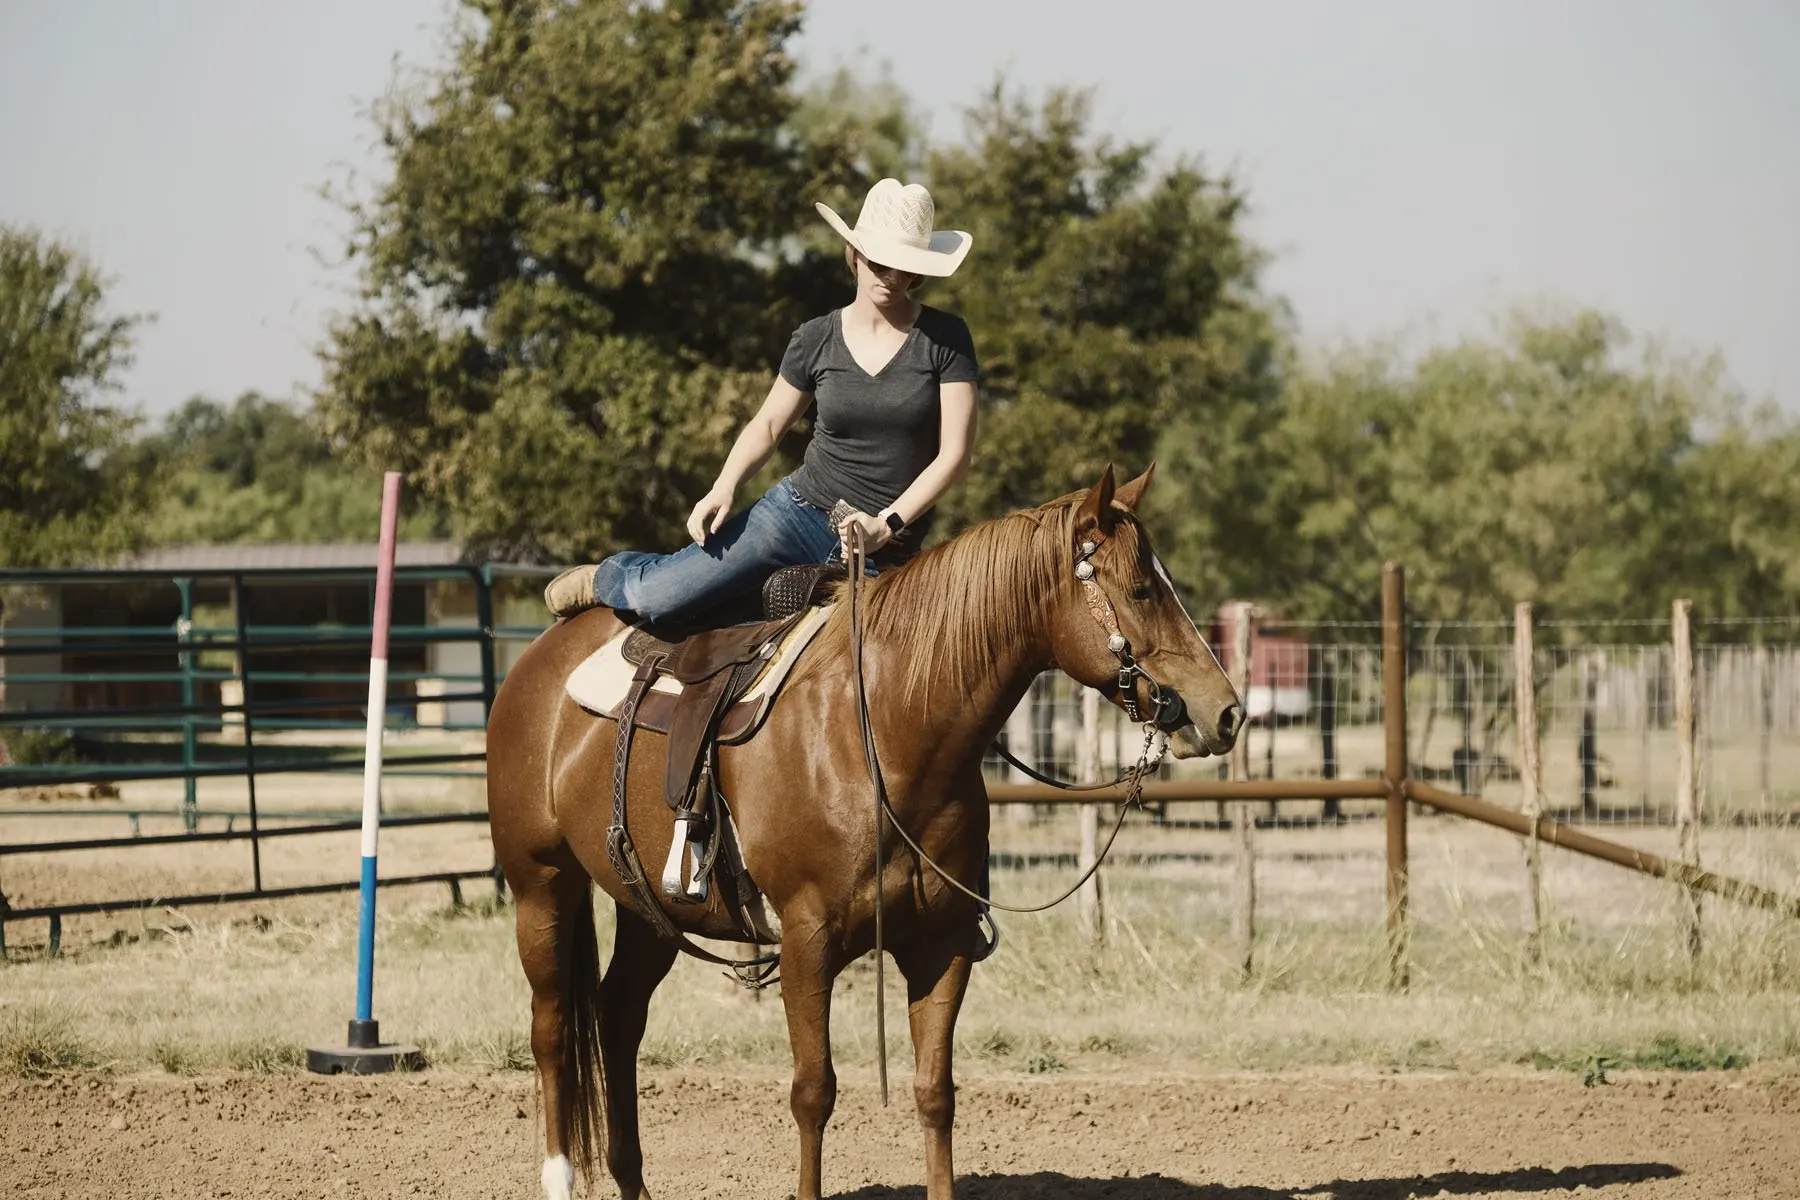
(1168, 711)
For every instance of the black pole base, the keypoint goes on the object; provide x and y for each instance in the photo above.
(363, 1054)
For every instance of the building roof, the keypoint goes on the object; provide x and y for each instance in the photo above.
(292, 555)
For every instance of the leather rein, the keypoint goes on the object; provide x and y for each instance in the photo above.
(1167, 707)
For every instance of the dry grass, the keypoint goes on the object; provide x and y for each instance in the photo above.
(247, 991)
(38, 1040)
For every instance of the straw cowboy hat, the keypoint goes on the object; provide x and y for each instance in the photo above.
(894, 230)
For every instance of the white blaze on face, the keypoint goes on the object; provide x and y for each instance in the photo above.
(1162, 573)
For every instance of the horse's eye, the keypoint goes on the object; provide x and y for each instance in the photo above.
(1143, 593)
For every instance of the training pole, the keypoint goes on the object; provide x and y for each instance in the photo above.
(365, 1052)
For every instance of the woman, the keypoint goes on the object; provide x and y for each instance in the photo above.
(894, 381)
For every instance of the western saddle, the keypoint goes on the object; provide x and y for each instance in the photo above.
(715, 667)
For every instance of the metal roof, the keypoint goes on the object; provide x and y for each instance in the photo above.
(292, 555)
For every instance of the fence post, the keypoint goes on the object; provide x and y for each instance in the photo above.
(1019, 744)
(184, 627)
(1765, 721)
(1327, 677)
(1243, 817)
(241, 603)
(1687, 772)
(1525, 716)
(1393, 681)
(1588, 750)
(1087, 759)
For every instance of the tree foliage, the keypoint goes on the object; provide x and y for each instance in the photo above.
(583, 269)
(597, 234)
(1109, 298)
(1548, 465)
(61, 350)
(258, 470)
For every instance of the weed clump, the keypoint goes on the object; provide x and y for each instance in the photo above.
(1666, 1052)
(265, 1056)
(38, 1041)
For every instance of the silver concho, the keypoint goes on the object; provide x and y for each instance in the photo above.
(1084, 570)
(1116, 643)
(1088, 548)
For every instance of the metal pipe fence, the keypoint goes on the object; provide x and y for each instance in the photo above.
(209, 717)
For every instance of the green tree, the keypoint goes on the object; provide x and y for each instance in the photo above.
(1737, 538)
(259, 470)
(62, 497)
(1549, 466)
(579, 277)
(1110, 299)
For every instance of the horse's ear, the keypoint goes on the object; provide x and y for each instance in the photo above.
(1095, 511)
(1130, 495)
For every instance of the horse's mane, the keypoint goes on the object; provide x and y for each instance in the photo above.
(961, 604)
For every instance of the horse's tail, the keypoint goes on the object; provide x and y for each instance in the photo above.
(583, 1071)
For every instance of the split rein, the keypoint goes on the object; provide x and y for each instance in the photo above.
(1132, 778)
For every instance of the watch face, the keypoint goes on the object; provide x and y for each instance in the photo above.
(894, 522)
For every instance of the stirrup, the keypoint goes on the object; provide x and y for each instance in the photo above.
(990, 937)
(572, 591)
(684, 845)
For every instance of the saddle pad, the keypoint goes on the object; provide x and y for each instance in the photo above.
(602, 679)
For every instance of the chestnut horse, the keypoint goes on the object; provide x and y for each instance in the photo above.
(952, 641)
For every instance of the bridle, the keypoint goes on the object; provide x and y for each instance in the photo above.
(1168, 711)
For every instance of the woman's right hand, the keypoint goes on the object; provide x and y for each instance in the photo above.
(709, 514)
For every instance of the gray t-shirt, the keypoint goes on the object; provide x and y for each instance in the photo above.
(873, 434)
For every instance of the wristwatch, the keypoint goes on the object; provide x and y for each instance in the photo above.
(893, 520)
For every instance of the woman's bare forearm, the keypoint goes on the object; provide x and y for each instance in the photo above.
(761, 434)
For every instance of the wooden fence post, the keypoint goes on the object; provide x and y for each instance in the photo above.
(1087, 761)
(1243, 913)
(1525, 716)
(1393, 680)
(1765, 722)
(1019, 742)
(1687, 766)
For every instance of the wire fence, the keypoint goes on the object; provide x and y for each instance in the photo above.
(1605, 712)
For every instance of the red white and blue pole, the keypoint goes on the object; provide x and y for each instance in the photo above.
(371, 797)
(366, 1052)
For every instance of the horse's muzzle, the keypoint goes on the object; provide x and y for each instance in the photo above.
(1189, 740)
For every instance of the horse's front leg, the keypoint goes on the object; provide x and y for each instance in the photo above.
(640, 961)
(937, 976)
(808, 968)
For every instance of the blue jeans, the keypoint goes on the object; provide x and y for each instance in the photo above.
(779, 530)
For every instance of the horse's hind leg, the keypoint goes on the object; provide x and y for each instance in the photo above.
(555, 925)
(640, 961)
(937, 975)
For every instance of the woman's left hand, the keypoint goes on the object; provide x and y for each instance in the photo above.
(875, 532)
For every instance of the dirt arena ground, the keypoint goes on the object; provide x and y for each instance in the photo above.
(1319, 1135)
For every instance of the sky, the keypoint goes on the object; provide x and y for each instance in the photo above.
(1417, 167)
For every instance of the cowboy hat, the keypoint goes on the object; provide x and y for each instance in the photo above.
(894, 230)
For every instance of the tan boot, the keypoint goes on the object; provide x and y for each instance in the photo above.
(572, 591)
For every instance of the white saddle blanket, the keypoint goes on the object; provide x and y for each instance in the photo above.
(600, 683)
